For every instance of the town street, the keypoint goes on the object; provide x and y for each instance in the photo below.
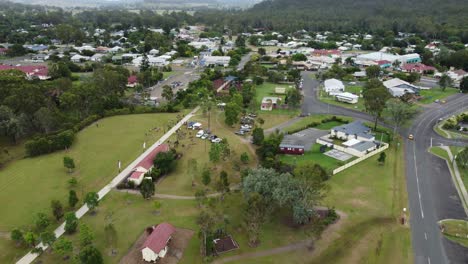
(30, 257)
(431, 193)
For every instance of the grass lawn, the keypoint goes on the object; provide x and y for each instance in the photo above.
(304, 122)
(10, 151)
(456, 230)
(179, 182)
(33, 182)
(169, 74)
(268, 89)
(313, 156)
(429, 96)
(131, 214)
(463, 173)
(272, 120)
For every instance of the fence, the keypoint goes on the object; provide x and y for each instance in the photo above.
(356, 161)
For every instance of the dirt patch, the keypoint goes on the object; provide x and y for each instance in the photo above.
(177, 245)
(358, 203)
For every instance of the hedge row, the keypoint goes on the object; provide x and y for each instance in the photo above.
(323, 121)
(49, 143)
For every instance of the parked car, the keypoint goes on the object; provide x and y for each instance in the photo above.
(205, 136)
(216, 140)
(246, 126)
(410, 137)
(200, 133)
(240, 132)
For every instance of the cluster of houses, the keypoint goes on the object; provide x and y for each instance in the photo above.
(31, 71)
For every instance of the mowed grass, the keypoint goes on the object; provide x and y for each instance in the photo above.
(130, 215)
(463, 172)
(456, 230)
(10, 151)
(429, 96)
(33, 182)
(314, 156)
(179, 182)
(267, 89)
(304, 122)
(272, 120)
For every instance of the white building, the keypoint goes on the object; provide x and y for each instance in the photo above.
(155, 246)
(78, 58)
(333, 86)
(216, 61)
(355, 130)
(398, 88)
(347, 98)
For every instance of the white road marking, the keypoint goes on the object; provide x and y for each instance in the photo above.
(417, 179)
(425, 235)
(429, 260)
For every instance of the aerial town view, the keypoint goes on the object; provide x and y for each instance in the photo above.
(234, 131)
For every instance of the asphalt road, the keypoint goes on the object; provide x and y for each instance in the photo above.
(431, 193)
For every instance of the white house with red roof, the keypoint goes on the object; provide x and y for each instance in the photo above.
(132, 81)
(138, 173)
(32, 71)
(155, 246)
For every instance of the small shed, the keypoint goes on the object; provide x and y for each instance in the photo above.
(225, 244)
(280, 90)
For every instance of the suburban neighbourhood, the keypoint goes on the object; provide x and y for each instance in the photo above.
(193, 132)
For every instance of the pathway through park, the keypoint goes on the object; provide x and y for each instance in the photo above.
(30, 257)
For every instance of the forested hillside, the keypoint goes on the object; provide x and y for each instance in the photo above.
(435, 18)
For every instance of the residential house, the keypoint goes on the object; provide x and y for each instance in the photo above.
(132, 81)
(355, 130)
(40, 72)
(138, 173)
(417, 67)
(398, 87)
(215, 61)
(79, 58)
(333, 86)
(3, 51)
(98, 57)
(327, 53)
(384, 64)
(457, 75)
(155, 246)
(153, 52)
(270, 103)
(291, 146)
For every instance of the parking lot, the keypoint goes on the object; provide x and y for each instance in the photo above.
(179, 81)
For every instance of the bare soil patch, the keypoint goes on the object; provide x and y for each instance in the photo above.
(177, 245)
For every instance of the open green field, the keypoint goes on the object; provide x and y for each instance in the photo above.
(313, 156)
(304, 122)
(33, 182)
(169, 74)
(463, 173)
(455, 230)
(429, 96)
(10, 151)
(272, 120)
(179, 182)
(351, 89)
(268, 89)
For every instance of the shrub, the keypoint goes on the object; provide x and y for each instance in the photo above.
(49, 143)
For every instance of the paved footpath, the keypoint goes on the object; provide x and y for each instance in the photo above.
(30, 257)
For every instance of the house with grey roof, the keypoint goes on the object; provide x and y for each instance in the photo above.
(355, 130)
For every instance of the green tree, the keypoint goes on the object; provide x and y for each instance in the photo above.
(254, 210)
(165, 161)
(244, 157)
(91, 200)
(464, 85)
(69, 163)
(47, 238)
(17, 236)
(71, 222)
(72, 198)
(373, 71)
(206, 176)
(398, 113)
(299, 57)
(41, 221)
(462, 158)
(59, 70)
(382, 157)
(223, 179)
(262, 51)
(86, 235)
(167, 93)
(258, 136)
(294, 98)
(445, 81)
(231, 113)
(90, 254)
(215, 152)
(147, 188)
(30, 238)
(63, 247)
(57, 209)
(375, 96)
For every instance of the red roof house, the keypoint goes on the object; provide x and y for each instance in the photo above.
(31, 71)
(132, 81)
(155, 245)
(323, 52)
(138, 173)
(417, 67)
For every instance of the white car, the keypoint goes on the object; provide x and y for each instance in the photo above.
(205, 136)
(246, 127)
(200, 133)
(216, 140)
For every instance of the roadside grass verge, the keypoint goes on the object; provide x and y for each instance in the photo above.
(308, 121)
(272, 120)
(455, 230)
(429, 96)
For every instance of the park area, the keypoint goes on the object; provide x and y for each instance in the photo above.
(267, 89)
(357, 90)
(33, 182)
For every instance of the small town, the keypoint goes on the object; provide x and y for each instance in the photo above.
(217, 131)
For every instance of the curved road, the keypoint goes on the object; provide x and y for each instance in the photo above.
(431, 193)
